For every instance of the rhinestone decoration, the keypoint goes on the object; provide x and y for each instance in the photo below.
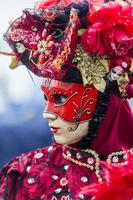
(115, 159)
(81, 196)
(31, 180)
(78, 155)
(84, 179)
(90, 161)
(57, 191)
(39, 155)
(28, 168)
(54, 177)
(66, 167)
(68, 153)
(118, 158)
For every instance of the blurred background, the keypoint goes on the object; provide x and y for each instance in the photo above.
(22, 127)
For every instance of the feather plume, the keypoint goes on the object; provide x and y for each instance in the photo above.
(118, 184)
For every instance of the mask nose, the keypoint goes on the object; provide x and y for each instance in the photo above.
(49, 116)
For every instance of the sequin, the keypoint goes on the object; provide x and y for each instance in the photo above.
(78, 155)
(90, 161)
(28, 168)
(84, 179)
(31, 180)
(81, 196)
(66, 167)
(54, 177)
(57, 191)
(115, 159)
(39, 155)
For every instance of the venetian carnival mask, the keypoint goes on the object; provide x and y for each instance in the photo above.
(69, 101)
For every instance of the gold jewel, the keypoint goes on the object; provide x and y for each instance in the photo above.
(92, 68)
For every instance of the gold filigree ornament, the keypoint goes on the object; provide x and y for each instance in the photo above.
(92, 69)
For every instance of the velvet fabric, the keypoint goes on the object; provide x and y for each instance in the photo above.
(116, 131)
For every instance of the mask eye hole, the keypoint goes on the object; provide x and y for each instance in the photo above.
(60, 98)
(113, 71)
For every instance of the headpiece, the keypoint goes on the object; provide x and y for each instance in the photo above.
(58, 35)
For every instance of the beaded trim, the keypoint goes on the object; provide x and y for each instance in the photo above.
(91, 162)
(90, 159)
(119, 158)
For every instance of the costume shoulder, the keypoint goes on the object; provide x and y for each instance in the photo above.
(14, 175)
(118, 180)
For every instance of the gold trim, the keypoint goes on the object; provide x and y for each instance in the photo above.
(95, 168)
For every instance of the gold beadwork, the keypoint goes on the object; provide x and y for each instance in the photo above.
(92, 68)
(94, 166)
(117, 156)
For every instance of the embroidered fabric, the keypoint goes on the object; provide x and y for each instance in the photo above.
(46, 175)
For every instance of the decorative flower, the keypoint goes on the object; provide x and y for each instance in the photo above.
(17, 35)
(111, 32)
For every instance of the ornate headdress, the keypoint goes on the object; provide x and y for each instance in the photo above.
(58, 35)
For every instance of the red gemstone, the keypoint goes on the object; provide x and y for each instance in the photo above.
(41, 59)
(50, 14)
(32, 46)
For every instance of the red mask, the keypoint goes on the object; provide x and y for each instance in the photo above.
(69, 101)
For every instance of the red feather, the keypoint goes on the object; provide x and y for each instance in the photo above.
(118, 184)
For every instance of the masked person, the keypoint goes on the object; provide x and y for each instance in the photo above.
(83, 51)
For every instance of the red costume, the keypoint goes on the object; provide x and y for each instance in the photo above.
(85, 57)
